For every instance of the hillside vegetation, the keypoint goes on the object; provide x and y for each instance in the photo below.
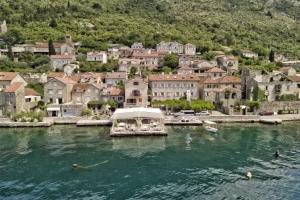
(259, 25)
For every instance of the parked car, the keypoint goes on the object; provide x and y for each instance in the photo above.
(266, 113)
(185, 113)
(204, 112)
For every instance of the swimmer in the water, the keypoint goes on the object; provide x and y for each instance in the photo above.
(76, 166)
(277, 154)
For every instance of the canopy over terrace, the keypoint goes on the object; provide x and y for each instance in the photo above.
(131, 113)
(138, 121)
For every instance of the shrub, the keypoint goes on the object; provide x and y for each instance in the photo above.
(86, 113)
(28, 117)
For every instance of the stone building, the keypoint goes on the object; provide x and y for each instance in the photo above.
(97, 57)
(228, 63)
(147, 58)
(57, 62)
(125, 64)
(116, 94)
(224, 91)
(215, 73)
(8, 78)
(169, 47)
(269, 86)
(190, 49)
(113, 78)
(113, 53)
(14, 98)
(83, 93)
(12, 93)
(165, 87)
(137, 45)
(136, 92)
(249, 54)
(58, 90)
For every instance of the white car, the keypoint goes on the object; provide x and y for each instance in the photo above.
(204, 112)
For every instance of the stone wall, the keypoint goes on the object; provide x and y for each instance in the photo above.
(280, 106)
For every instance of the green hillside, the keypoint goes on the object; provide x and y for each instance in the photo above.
(255, 24)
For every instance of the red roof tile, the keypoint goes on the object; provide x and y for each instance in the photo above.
(223, 80)
(7, 76)
(13, 87)
(116, 75)
(173, 77)
(294, 78)
(114, 91)
(215, 70)
(31, 92)
(66, 80)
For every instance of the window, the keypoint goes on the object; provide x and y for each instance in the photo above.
(162, 85)
(50, 91)
(177, 94)
(59, 92)
(60, 100)
(233, 95)
(120, 98)
(78, 99)
(287, 87)
(55, 84)
(135, 83)
(298, 85)
(162, 94)
(50, 100)
(155, 94)
(192, 85)
(136, 93)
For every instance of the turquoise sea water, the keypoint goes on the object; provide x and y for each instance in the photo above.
(188, 164)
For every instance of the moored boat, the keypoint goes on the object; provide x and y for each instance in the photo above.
(210, 126)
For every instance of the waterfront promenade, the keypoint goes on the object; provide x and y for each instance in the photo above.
(170, 120)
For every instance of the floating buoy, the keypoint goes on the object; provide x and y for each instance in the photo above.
(248, 175)
(75, 165)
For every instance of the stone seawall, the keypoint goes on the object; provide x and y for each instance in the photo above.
(280, 106)
(24, 124)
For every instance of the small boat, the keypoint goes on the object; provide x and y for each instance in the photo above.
(210, 126)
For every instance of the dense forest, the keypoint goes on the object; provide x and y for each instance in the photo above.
(259, 25)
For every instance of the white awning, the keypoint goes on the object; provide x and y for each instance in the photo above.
(130, 113)
(53, 109)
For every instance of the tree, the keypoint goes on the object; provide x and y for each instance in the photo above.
(53, 23)
(272, 56)
(51, 47)
(10, 54)
(171, 61)
(12, 37)
(133, 71)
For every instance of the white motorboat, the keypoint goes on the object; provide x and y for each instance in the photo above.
(210, 126)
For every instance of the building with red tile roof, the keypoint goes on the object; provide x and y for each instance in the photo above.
(172, 86)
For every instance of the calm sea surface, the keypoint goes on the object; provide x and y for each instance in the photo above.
(188, 164)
